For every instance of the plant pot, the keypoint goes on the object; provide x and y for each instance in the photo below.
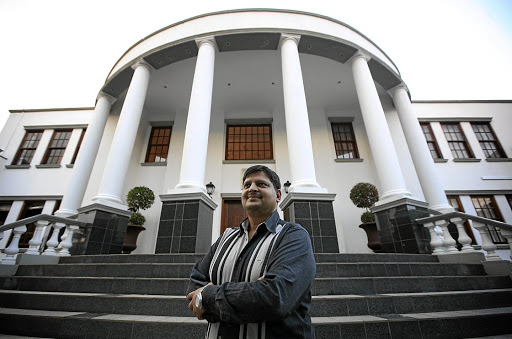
(373, 235)
(130, 239)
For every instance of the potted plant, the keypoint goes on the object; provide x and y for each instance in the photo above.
(138, 198)
(365, 195)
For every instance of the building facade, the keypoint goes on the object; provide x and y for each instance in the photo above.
(203, 99)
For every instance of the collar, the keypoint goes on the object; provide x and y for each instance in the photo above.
(271, 223)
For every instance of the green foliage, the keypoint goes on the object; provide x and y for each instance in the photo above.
(367, 217)
(137, 219)
(140, 197)
(364, 195)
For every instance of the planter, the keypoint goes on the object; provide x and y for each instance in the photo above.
(130, 239)
(373, 235)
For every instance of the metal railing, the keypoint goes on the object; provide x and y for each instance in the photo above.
(52, 246)
(445, 244)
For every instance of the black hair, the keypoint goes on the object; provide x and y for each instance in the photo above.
(274, 178)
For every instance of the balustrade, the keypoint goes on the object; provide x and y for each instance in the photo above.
(54, 246)
(445, 244)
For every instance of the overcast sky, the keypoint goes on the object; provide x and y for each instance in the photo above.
(57, 53)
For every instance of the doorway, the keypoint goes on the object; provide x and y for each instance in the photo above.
(232, 213)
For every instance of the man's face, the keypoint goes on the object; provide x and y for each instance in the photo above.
(259, 198)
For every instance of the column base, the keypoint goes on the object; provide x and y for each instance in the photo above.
(185, 223)
(105, 235)
(314, 211)
(398, 230)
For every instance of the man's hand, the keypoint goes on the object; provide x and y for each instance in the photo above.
(192, 304)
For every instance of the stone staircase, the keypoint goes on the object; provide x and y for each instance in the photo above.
(355, 296)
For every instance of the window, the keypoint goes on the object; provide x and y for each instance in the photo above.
(158, 145)
(27, 148)
(485, 206)
(488, 140)
(456, 141)
(454, 201)
(431, 141)
(57, 147)
(344, 140)
(78, 146)
(249, 142)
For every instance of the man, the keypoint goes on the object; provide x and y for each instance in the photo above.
(255, 282)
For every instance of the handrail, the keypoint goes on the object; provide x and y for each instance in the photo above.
(44, 217)
(465, 216)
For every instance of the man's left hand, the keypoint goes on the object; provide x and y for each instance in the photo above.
(192, 304)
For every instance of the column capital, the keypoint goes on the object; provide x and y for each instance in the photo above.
(288, 36)
(109, 98)
(142, 62)
(206, 40)
(360, 54)
(395, 89)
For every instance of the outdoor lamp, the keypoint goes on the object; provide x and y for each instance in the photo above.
(286, 186)
(210, 188)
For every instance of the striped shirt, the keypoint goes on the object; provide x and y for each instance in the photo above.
(242, 304)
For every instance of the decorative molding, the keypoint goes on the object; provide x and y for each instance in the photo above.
(340, 119)
(462, 101)
(248, 121)
(349, 160)
(44, 110)
(161, 123)
(48, 166)
(393, 90)
(17, 166)
(478, 192)
(466, 160)
(205, 40)
(188, 197)
(288, 36)
(30, 198)
(57, 127)
(295, 196)
(248, 161)
(107, 96)
(498, 159)
(456, 119)
(496, 177)
(399, 202)
(104, 208)
(360, 54)
(142, 62)
(153, 164)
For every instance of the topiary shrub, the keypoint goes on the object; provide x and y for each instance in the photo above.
(365, 195)
(139, 198)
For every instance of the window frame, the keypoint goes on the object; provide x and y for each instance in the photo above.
(433, 140)
(33, 148)
(352, 141)
(151, 144)
(494, 233)
(464, 140)
(243, 142)
(50, 148)
(78, 145)
(495, 141)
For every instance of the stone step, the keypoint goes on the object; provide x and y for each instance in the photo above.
(195, 257)
(182, 270)
(448, 324)
(322, 306)
(321, 286)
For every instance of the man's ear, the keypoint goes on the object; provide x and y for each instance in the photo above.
(278, 194)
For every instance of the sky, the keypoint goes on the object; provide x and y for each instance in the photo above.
(57, 53)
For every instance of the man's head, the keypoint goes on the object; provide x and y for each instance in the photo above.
(261, 191)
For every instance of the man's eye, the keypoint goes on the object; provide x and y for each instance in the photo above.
(247, 185)
(262, 184)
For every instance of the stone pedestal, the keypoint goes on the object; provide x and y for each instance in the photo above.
(185, 223)
(105, 235)
(315, 213)
(398, 231)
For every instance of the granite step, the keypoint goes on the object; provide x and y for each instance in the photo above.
(322, 306)
(448, 324)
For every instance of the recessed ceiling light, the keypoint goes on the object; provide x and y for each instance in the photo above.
(188, 51)
(228, 43)
(309, 47)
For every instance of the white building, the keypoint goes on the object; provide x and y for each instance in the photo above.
(203, 99)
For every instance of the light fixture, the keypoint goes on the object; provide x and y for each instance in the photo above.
(210, 188)
(286, 186)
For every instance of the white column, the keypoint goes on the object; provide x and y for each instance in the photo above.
(423, 162)
(85, 160)
(390, 175)
(195, 147)
(124, 138)
(300, 149)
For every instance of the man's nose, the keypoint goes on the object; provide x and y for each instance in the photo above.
(253, 187)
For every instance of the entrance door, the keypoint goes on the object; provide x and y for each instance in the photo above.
(232, 213)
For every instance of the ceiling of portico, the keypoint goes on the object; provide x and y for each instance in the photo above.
(251, 81)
